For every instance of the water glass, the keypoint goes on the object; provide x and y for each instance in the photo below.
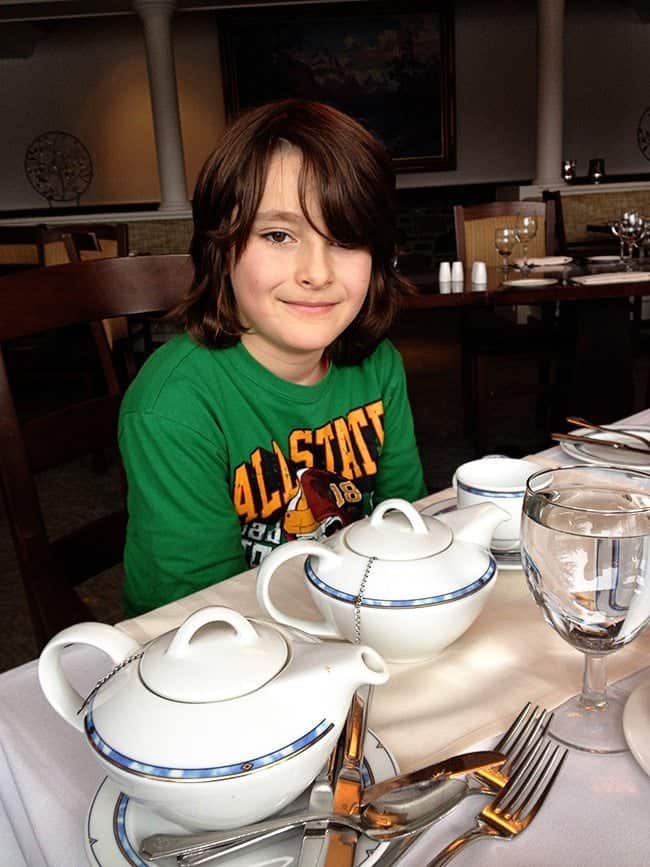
(525, 231)
(585, 539)
(504, 241)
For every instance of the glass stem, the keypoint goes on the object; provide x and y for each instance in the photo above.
(594, 682)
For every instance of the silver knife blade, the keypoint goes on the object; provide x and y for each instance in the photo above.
(349, 782)
(321, 800)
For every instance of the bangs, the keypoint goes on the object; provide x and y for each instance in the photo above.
(352, 211)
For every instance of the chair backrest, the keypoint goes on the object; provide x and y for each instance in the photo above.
(475, 225)
(41, 300)
(555, 197)
(85, 242)
(31, 246)
(96, 240)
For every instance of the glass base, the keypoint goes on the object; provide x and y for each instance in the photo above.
(591, 729)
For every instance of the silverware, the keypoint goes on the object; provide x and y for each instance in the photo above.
(582, 422)
(523, 735)
(516, 805)
(426, 803)
(612, 444)
(421, 779)
(349, 782)
(321, 800)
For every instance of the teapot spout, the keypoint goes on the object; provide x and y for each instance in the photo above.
(357, 664)
(475, 524)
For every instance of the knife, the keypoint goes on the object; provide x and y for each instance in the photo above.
(421, 778)
(349, 783)
(593, 441)
(321, 800)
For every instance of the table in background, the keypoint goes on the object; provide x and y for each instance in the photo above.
(596, 817)
(599, 363)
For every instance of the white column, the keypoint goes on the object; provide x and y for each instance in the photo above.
(156, 17)
(550, 64)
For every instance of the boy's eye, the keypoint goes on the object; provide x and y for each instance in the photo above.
(277, 237)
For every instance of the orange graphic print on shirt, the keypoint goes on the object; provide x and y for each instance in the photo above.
(322, 482)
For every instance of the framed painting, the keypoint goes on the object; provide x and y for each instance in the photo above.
(390, 68)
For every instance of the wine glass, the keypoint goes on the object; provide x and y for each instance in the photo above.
(505, 240)
(585, 537)
(525, 231)
(630, 230)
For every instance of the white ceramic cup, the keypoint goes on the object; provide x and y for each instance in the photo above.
(500, 480)
(479, 273)
(444, 273)
(457, 274)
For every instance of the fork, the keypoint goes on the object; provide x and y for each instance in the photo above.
(516, 805)
(582, 422)
(524, 734)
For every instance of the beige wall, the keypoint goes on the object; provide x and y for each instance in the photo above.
(89, 77)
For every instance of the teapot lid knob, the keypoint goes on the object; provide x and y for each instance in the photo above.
(227, 659)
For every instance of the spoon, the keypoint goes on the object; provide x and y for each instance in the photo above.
(582, 422)
(395, 812)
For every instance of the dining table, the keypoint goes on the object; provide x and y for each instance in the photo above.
(597, 321)
(597, 814)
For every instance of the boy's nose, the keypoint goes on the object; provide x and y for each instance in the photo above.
(314, 267)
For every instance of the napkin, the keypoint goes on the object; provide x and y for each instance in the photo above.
(609, 277)
(545, 261)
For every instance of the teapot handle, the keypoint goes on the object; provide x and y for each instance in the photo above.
(410, 513)
(267, 568)
(58, 690)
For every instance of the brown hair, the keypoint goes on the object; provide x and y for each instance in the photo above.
(352, 175)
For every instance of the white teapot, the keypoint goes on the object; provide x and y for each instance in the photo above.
(219, 723)
(406, 584)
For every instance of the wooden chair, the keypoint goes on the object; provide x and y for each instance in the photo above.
(86, 242)
(475, 225)
(23, 247)
(37, 301)
(494, 338)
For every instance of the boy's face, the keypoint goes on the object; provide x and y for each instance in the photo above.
(295, 290)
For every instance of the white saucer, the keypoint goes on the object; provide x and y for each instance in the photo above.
(507, 560)
(116, 826)
(636, 725)
(530, 282)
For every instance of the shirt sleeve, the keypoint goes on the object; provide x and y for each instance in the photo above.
(400, 468)
(183, 533)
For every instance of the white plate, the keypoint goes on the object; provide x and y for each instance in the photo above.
(509, 560)
(116, 826)
(636, 724)
(603, 259)
(546, 263)
(529, 282)
(592, 453)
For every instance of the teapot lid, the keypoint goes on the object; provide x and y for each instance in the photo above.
(398, 536)
(225, 661)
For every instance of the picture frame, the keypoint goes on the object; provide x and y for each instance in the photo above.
(390, 68)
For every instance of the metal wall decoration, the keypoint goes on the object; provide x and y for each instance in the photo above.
(643, 134)
(388, 65)
(58, 166)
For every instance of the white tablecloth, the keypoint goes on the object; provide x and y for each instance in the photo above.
(598, 816)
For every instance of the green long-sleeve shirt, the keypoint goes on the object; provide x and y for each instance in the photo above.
(225, 461)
